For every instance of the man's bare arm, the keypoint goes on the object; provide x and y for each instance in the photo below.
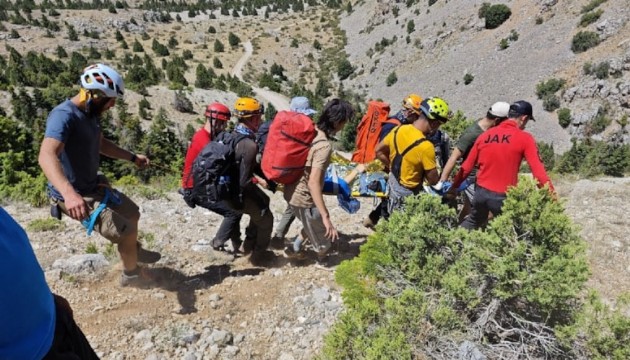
(51, 166)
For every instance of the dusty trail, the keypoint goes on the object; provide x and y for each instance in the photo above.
(279, 101)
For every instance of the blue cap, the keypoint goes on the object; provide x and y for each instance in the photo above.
(302, 105)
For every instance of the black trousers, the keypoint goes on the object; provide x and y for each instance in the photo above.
(258, 232)
(379, 212)
(484, 201)
(230, 226)
(69, 342)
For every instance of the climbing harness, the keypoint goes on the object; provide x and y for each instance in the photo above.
(111, 196)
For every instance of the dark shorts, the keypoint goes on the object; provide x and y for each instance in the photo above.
(69, 342)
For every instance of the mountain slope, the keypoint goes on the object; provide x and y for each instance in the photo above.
(450, 41)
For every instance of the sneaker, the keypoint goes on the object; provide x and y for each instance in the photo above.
(297, 244)
(142, 280)
(289, 253)
(147, 256)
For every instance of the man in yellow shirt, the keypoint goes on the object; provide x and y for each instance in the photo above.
(409, 155)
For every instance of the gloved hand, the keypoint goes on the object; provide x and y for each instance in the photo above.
(273, 186)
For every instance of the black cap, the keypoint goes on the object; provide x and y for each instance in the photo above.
(522, 107)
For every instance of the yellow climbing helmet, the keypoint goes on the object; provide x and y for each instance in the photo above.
(435, 108)
(246, 107)
(412, 102)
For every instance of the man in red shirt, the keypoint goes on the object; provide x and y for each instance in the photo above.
(499, 152)
(217, 116)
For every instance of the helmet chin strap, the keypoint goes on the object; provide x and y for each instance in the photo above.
(85, 99)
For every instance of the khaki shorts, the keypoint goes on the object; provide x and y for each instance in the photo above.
(116, 222)
(313, 228)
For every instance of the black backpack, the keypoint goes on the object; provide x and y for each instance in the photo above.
(215, 170)
(397, 162)
(261, 136)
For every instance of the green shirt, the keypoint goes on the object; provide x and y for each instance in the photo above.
(466, 142)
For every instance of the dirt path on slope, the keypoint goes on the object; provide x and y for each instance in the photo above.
(279, 101)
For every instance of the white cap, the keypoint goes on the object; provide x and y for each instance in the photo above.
(499, 109)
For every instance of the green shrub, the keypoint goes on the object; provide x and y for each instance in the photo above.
(590, 17)
(496, 15)
(23, 187)
(504, 44)
(587, 68)
(591, 158)
(344, 69)
(91, 248)
(218, 46)
(47, 224)
(602, 69)
(564, 117)
(233, 40)
(572, 160)
(606, 329)
(617, 161)
(592, 5)
(392, 78)
(584, 40)
(456, 125)
(468, 78)
(549, 87)
(411, 27)
(547, 155)
(599, 123)
(551, 102)
(421, 286)
(483, 9)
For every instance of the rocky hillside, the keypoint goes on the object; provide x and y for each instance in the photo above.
(449, 41)
(211, 306)
(446, 51)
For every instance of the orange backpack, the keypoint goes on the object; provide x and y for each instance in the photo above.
(369, 130)
(289, 140)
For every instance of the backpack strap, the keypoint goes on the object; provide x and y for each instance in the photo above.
(409, 148)
(393, 121)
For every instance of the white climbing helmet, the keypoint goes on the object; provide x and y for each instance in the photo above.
(103, 78)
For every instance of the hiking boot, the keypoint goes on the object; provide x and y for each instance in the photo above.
(277, 242)
(323, 263)
(368, 223)
(147, 256)
(262, 258)
(143, 280)
(246, 247)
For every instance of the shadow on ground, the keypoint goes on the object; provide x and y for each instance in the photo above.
(185, 286)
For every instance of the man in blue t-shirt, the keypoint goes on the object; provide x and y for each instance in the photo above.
(34, 323)
(70, 158)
